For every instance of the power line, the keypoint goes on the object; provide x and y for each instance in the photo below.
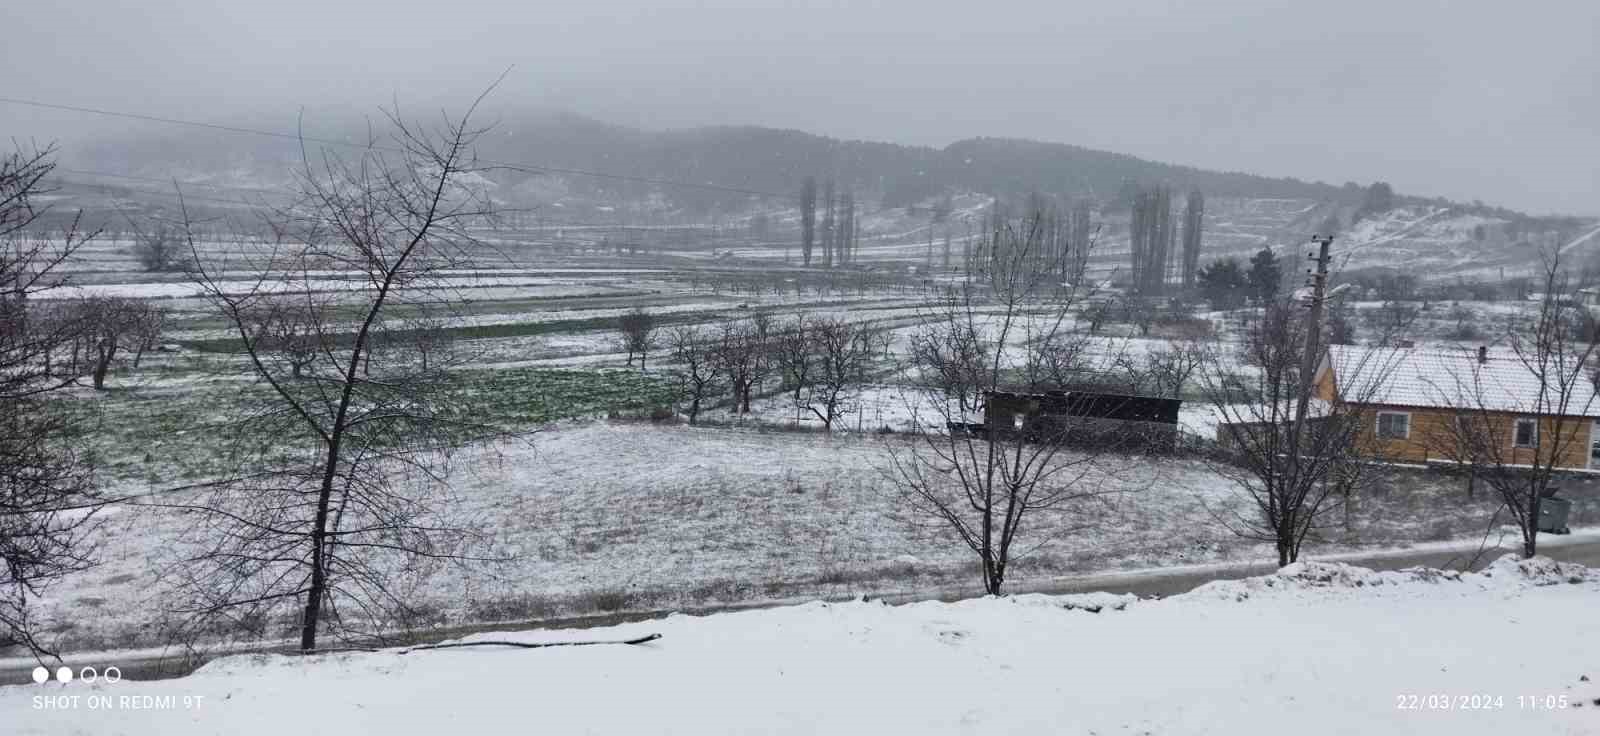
(525, 168)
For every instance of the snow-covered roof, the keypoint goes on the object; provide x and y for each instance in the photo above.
(1455, 379)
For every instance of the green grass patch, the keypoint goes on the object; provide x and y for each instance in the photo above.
(169, 436)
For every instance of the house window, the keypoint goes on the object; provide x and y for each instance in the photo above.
(1394, 425)
(1527, 434)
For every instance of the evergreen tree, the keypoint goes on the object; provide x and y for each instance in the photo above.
(1265, 275)
(1377, 199)
(1223, 283)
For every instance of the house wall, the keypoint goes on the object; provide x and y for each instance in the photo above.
(1323, 387)
(1432, 437)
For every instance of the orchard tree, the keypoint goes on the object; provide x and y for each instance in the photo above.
(988, 491)
(342, 486)
(638, 329)
(158, 248)
(844, 352)
(697, 372)
(48, 497)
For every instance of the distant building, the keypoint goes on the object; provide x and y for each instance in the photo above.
(1085, 417)
(1408, 398)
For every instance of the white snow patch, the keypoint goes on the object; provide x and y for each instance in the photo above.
(1313, 649)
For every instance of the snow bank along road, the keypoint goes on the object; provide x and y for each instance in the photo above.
(1317, 648)
(1582, 548)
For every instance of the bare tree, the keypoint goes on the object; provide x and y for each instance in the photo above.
(1391, 322)
(950, 354)
(110, 324)
(1341, 330)
(1295, 469)
(286, 328)
(1096, 314)
(149, 321)
(808, 219)
(741, 356)
(794, 355)
(1167, 370)
(829, 230)
(48, 498)
(1520, 420)
(693, 349)
(638, 329)
(1142, 313)
(1066, 361)
(844, 352)
(1466, 324)
(985, 488)
(1193, 224)
(344, 481)
(158, 248)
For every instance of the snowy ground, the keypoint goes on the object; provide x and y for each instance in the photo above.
(602, 516)
(1314, 649)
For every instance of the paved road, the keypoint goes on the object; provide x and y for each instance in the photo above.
(1582, 548)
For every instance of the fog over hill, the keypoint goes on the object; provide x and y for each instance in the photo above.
(737, 157)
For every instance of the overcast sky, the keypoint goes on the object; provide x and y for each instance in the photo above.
(1462, 98)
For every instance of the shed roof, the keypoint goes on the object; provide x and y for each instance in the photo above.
(1455, 379)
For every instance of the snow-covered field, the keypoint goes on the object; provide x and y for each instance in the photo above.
(647, 516)
(600, 516)
(1314, 649)
(671, 515)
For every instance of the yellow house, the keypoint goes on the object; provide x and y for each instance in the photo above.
(1414, 401)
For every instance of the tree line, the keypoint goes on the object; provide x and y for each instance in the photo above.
(820, 363)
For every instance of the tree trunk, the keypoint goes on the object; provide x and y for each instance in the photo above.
(102, 366)
(1530, 534)
(319, 536)
(319, 582)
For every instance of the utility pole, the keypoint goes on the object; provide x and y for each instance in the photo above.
(1308, 362)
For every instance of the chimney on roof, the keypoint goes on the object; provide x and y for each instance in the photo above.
(1483, 354)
